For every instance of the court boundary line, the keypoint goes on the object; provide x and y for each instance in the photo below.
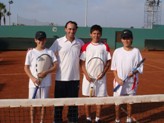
(154, 66)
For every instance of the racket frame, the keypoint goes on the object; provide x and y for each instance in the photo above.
(40, 79)
(138, 65)
(92, 87)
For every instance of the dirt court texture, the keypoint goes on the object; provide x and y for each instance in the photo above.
(14, 81)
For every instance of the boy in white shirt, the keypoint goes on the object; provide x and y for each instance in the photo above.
(30, 69)
(99, 49)
(124, 60)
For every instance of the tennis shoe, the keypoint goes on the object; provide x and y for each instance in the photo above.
(117, 121)
(129, 120)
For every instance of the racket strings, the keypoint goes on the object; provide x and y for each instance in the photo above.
(95, 67)
(44, 62)
(41, 59)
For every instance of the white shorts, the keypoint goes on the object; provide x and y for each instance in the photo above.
(42, 92)
(125, 90)
(117, 93)
(99, 88)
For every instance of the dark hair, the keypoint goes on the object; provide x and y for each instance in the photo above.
(72, 22)
(96, 27)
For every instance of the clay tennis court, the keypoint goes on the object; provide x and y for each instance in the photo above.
(14, 82)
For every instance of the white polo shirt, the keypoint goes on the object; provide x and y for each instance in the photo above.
(68, 54)
(30, 60)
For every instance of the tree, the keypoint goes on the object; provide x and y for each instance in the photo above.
(2, 13)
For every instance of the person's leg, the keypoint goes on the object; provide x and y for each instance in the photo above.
(129, 112)
(58, 114)
(44, 94)
(117, 113)
(73, 91)
(59, 93)
(98, 113)
(32, 114)
(88, 112)
(32, 109)
(42, 114)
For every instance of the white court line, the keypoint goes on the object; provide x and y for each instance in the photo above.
(160, 68)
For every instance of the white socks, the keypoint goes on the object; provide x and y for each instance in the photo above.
(128, 120)
(97, 118)
(117, 121)
(88, 118)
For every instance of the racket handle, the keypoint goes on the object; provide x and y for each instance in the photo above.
(116, 88)
(35, 92)
(91, 91)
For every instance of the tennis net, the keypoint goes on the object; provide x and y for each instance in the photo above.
(145, 109)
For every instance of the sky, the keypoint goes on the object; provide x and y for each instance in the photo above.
(107, 13)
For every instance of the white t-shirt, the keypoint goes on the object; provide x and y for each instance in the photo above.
(89, 51)
(68, 54)
(124, 62)
(30, 60)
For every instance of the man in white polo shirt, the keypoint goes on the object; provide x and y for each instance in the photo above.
(67, 50)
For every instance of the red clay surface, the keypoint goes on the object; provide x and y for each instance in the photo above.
(14, 83)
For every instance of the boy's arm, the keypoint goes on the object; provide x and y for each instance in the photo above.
(138, 69)
(132, 73)
(85, 71)
(29, 74)
(120, 81)
(106, 67)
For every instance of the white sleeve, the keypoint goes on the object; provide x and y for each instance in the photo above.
(108, 55)
(113, 63)
(83, 56)
(54, 59)
(28, 57)
(140, 69)
(54, 46)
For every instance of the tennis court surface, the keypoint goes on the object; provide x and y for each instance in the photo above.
(148, 107)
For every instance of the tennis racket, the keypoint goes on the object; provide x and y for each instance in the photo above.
(43, 63)
(95, 67)
(138, 65)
